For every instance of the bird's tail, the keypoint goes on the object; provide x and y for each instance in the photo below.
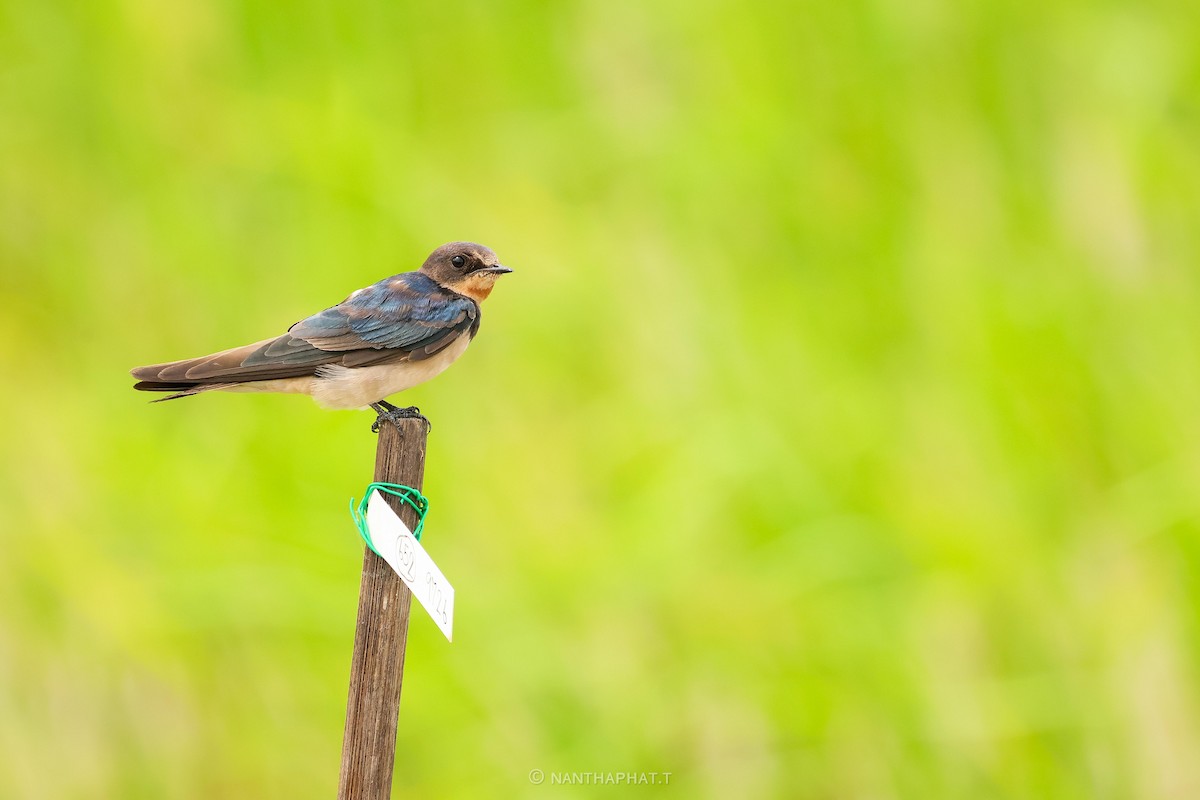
(178, 389)
(193, 375)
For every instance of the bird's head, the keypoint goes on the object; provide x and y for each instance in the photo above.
(466, 268)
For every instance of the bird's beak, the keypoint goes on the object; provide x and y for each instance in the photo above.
(496, 269)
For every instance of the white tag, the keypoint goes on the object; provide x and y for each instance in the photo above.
(400, 549)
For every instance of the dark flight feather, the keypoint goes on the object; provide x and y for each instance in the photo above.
(407, 317)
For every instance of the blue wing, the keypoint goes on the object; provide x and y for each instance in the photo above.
(406, 317)
(408, 312)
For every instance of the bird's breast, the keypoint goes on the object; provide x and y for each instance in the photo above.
(357, 387)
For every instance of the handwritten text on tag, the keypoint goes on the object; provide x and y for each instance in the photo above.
(401, 550)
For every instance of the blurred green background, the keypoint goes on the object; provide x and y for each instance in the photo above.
(838, 435)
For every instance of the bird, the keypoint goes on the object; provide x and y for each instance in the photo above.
(381, 340)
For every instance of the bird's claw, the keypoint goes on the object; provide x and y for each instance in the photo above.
(393, 414)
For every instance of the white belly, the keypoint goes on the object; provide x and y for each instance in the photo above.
(358, 387)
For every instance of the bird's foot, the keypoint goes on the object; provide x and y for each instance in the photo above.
(393, 414)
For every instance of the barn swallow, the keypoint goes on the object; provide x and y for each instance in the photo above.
(380, 340)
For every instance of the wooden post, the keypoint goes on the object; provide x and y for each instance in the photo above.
(377, 669)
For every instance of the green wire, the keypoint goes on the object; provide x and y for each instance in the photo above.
(407, 494)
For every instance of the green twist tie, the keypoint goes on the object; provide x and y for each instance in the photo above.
(407, 494)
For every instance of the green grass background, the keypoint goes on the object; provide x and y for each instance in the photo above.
(838, 435)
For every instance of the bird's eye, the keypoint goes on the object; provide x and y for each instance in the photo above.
(458, 261)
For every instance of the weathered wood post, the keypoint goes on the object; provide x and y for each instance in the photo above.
(377, 669)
